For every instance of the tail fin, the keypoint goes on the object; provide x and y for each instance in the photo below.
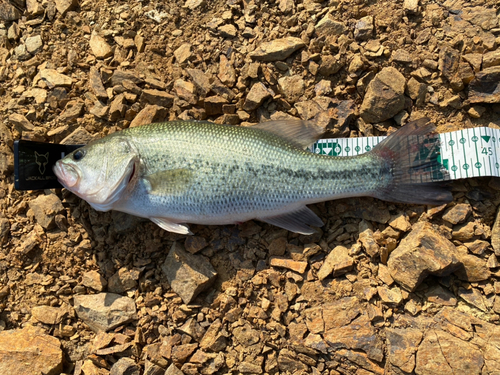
(412, 155)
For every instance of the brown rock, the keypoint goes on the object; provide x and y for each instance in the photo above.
(441, 353)
(55, 79)
(437, 294)
(185, 90)
(122, 281)
(94, 280)
(213, 105)
(329, 26)
(424, 251)
(297, 266)
(357, 335)
(99, 46)
(337, 261)
(125, 366)
(193, 244)
(188, 274)
(458, 213)
(485, 88)
(45, 208)
(104, 311)
(277, 50)
(340, 313)
(257, 94)
(183, 53)
(362, 360)
(401, 347)
(20, 121)
(213, 339)
(63, 6)
(96, 85)
(292, 87)
(495, 234)
(473, 297)
(200, 80)
(157, 97)
(72, 111)
(29, 351)
(388, 295)
(416, 91)
(384, 96)
(473, 268)
(288, 363)
(246, 335)
(8, 12)
(119, 76)
(364, 28)
(149, 114)
(48, 314)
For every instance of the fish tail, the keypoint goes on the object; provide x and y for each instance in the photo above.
(411, 155)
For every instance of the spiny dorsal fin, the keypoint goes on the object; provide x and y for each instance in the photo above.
(301, 133)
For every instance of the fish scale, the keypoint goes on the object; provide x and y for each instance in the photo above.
(199, 172)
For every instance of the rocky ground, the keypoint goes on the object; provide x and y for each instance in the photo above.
(381, 288)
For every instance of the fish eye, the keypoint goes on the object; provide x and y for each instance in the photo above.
(78, 155)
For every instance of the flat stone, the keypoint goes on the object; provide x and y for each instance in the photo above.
(474, 297)
(358, 335)
(329, 26)
(292, 87)
(119, 76)
(125, 366)
(246, 335)
(48, 314)
(337, 262)
(364, 28)
(329, 65)
(193, 4)
(29, 351)
(104, 311)
(441, 353)
(402, 56)
(463, 232)
(8, 12)
(188, 274)
(214, 340)
(21, 52)
(94, 280)
(437, 294)
(213, 105)
(290, 364)
(339, 313)
(367, 240)
(20, 121)
(390, 295)
(122, 281)
(96, 85)
(227, 74)
(72, 111)
(472, 268)
(449, 61)
(411, 6)
(481, 16)
(79, 137)
(495, 234)
(278, 49)
(193, 244)
(257, 94)
(384, 96)
(39, 95)
(249, 368)
(183, 53)
(33, 44)
(362, 360)
(100, 110)
(55, 79)
(485, 87)
(402, 345)
(173, 370)
(294, 265)
(424, 251)
(228, 31)
(185, 90)
(458, 213)
(200, 80)
(99, 46)
(117, 108)
(416, 91)
(63, 6)
(46, 207)
(157, 97)
(149, 114)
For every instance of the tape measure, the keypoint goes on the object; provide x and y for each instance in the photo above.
(464, 153)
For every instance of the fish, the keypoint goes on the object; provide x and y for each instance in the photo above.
(180, 172)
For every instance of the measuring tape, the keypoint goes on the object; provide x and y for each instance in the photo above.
(464, 153)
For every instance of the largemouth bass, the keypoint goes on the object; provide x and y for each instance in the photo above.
(199, 172)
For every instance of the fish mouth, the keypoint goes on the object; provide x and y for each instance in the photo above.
(66, 174)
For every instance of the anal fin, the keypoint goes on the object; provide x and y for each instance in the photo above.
(170, 226)
(297, 221)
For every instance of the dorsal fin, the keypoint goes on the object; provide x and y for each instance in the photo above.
(301, 133)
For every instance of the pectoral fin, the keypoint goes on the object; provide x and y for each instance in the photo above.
(171, 226)
(297, 221)
(169, 182)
